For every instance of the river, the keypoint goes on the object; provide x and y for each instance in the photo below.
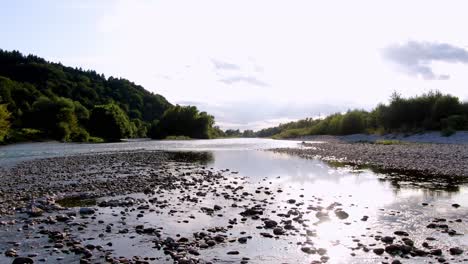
(388, 203)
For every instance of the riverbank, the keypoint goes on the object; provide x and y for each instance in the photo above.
(461, 137)
(171, 207)
(448, 160)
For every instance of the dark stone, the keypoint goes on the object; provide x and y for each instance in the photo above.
(23, 260)
(379, 251)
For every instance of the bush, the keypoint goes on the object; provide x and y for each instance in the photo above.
(183, 121)
(4, 122)
(110, 122)
(457, 122)
(25, 134)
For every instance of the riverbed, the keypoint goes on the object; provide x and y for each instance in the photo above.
(222, 201)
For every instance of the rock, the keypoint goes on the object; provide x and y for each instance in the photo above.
(23, 260)
(278, 231)
(456, 251)
(11, 253)
(35, 211)
(401, 233)
(455, 205)
(436, 252)
(291, 201)
(242, 240)
(270, 223)
(87, 211)
(378, 251)
(387, 239)
(309, 250)
(268, 235)
(341, 214)
(235, 252)
(396, 261)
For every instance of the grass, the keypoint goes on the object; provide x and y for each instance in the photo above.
(388, 142)
(177, 138)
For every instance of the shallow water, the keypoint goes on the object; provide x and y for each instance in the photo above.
(391, 205)
(12, 154)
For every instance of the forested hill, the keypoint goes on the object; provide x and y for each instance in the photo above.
(45, 100)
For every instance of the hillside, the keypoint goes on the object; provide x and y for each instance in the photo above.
(45, 100)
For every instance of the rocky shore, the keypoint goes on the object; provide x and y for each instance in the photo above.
(446, 160)
(163, 207)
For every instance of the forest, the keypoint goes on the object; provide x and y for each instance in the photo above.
(41, 100)
(432, 111)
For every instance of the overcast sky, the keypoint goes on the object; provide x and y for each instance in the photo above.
(254, 63)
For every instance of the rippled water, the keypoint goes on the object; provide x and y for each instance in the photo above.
(389, 203)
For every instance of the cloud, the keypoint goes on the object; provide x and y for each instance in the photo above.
(231, 73)
(222, 65)
(415, 58)
(247, 79)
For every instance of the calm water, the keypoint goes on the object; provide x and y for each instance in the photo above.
(390, 204)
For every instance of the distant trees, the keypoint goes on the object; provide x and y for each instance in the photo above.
(183, 121)
(110, 122)
(430, 111)
(4, 122)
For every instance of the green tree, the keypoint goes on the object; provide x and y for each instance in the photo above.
(109, 122)
(4, 122)
(183, 121)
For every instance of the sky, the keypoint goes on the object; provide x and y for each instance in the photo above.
(254, 63)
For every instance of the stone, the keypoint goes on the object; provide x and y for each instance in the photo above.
(23, 260)
(378, 251)
(87, 211)
(341, 214)
(456, 251)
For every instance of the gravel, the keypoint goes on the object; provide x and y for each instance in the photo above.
(413, 158)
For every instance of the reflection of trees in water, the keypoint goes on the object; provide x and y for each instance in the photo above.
(433, 188)
(202, 157)
(430, 185)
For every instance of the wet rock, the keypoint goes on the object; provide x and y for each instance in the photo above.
(242, 240)
(270, 223)
(387, 239)
(253, 211)
(11, 253)
(35, 211)
(456, 251)
(341, 214)
(378, 251)
(278, 231)
(401, 233)
(309, 250)
(87, 211)
(23, 260)
(397, 249)
(267, 235)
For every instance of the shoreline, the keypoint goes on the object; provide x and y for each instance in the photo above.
(433, 137)
(418, 159)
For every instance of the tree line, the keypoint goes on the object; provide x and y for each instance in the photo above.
(44, 100)
(429, 111)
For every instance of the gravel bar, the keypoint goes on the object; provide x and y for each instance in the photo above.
(421, 159)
